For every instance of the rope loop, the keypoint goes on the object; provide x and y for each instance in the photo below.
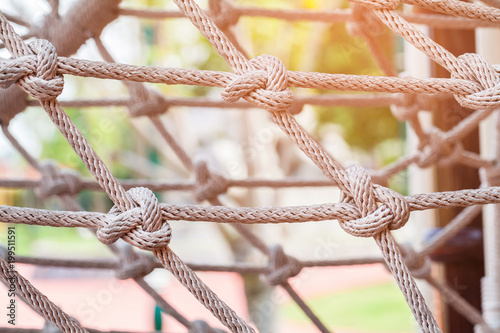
(143, 227)
(3, 252)
(419, 266)
(209, 184)
(363, 22)
(437, 149)
(57, 182)
(378, 4)
(476, 68)
(147, 102)
(222, 13)
(358, 19)
(11, 70)
(296, 107)
(490, 176)
(381, 208)
(49, 327)
(409, 107)
(281, 266)
(266, 85)
(41, 82)
(201, 326)
(134, 264)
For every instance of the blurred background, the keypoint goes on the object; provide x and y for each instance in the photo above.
(237, 143)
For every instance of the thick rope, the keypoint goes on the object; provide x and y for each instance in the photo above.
(366, 210)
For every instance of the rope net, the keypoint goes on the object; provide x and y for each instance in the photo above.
(366, 208)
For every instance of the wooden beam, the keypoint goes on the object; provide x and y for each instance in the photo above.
(463, 262)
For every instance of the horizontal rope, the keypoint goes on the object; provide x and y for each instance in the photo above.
(365, 209)
(332, 16)
(241, 268)
(223, 214)
(170, 76)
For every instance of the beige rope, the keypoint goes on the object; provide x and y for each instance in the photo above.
(37, 300)
(46, 79)
(331, 16)
(366, 210)
(420, 267)
(455, 7)
(221, 214)
(102, 70)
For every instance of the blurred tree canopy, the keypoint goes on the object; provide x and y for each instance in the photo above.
(301, 45)
(328, 48)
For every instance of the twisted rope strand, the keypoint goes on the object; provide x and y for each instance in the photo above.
(38, 301)
(366, 210)
(221, 214)
(116, 192)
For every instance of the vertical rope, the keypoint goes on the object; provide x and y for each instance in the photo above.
(38, 301)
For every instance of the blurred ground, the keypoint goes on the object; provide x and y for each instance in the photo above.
(105, 303)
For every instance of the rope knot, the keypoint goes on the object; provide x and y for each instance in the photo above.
(363, 21)
(409, 107)
(475, 68)
(437, 149)
(13, 101)
(490, 176)
(42, 82)
(222, 13)
(209, 184)
(201, 326)
(49, 327)
(378, 4)
(281, 266)
(57, 182)
(134, 264)
(266, 85)
(12, 70)
(3, 252)
(419, 266)
(144, 226)
(381, 208)
(146, 102)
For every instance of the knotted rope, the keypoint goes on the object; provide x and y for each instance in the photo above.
(378, 4)
(264, 84)
(209, 184)
(475, 68)
(366, 209)
(392, 214)
(35, 71)
(201, 326)
(438, 149)
(134, 265)
(419, 266)
(281, 266)
(149, 232)
(147, 102)
(57, 182)
(222, 13)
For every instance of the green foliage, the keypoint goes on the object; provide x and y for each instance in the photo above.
(343, 53)
(379, 308)
(364, 128)
(301, 45)
(105, 133)
(328, 48)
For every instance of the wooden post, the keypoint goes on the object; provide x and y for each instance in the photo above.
(490, 148)
(463, 257)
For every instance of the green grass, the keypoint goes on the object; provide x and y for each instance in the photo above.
(379, 308)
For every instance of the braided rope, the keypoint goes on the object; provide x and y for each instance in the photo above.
(366, 209)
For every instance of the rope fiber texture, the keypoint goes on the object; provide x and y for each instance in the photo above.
(366, 209)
